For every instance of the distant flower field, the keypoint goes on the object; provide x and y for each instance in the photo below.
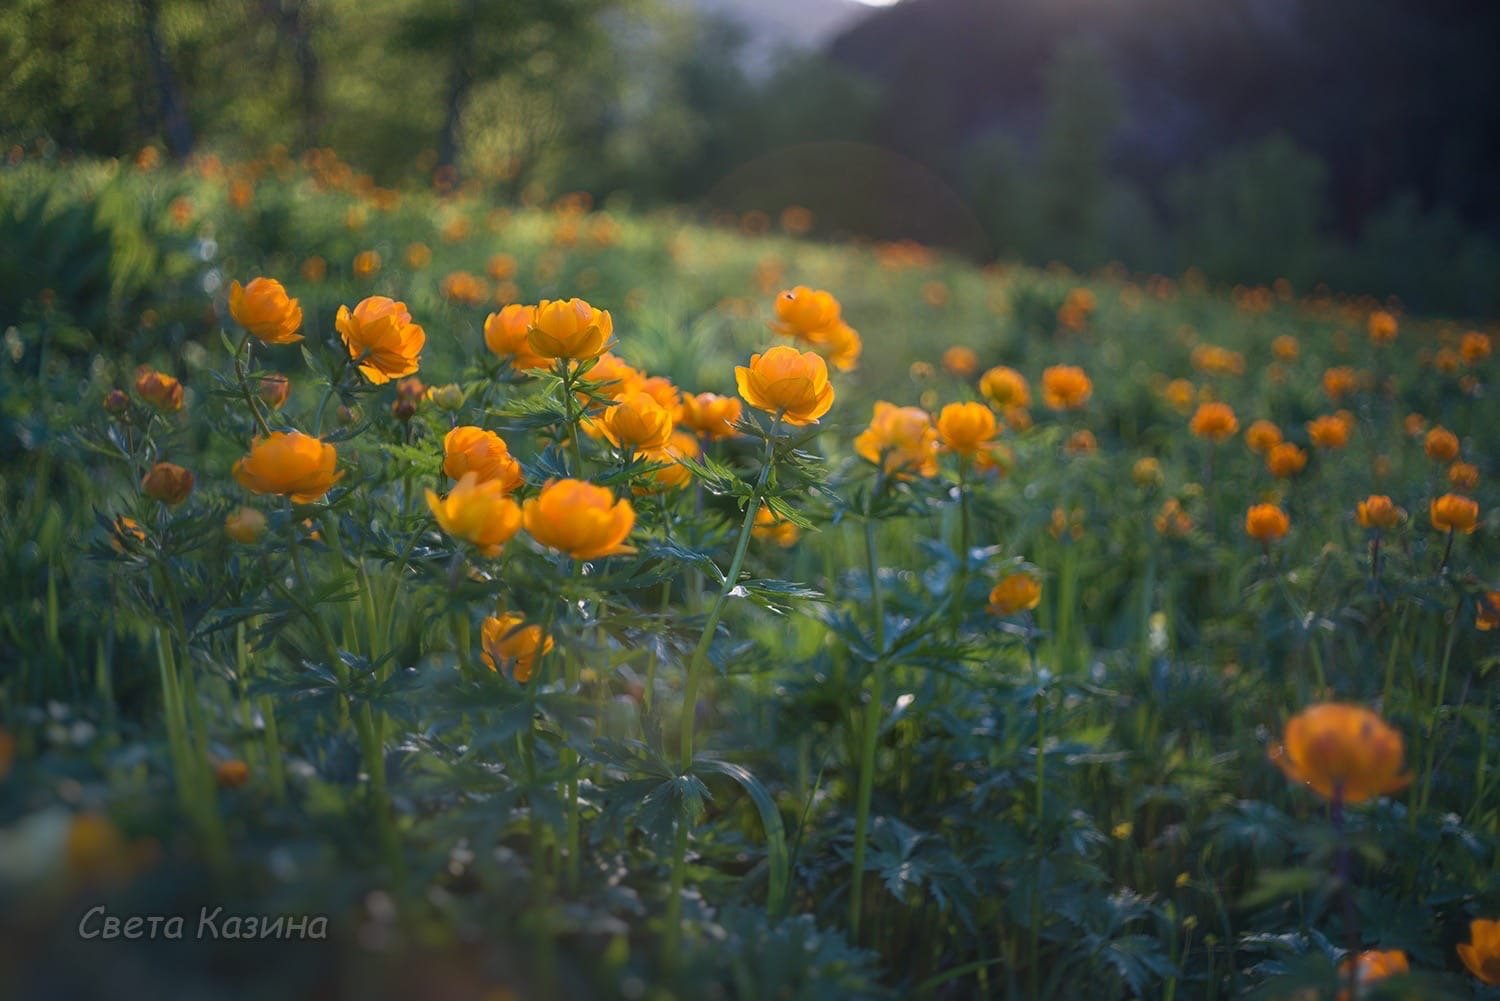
(562, 602)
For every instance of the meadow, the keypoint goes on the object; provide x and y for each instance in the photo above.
(566, 602)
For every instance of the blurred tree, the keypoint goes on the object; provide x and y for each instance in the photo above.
(172, 115)
(1083, 114)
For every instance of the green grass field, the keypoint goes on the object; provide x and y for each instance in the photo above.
(816, 760)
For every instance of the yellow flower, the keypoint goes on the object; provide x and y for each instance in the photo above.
(126, 531)
(245, 525)
(1066, 387)
(381, 338)
(787, 381)
(168, 483)
(660, 389)
(1452, 513)
(1481, 954)
(265, 310)
(1018, 592)
(1214, 421)
(1005, 387)
(1341, 750)
(768, 526)
(901, 440)
(1441, 445)
(1262, 436)
(1378, 511)
(506, 335)
(1463, 475)
(580, 519)
(1266, 523)
(1286, 460)
(674, 475)
(612, 378)
(636, 421)
(806, 313)
(366, 264)
(477, 512)
(159, 389)
(468, 449)
(1370, 966)
(966, 427)
(291, 463)
(464, 288)
(1147, 472)
(1328, 431)
(842, 345)
(961, 360)
(711, 415)
(569, 328)
(509, 646)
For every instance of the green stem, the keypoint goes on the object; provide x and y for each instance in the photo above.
(241, 356)
(870, 731)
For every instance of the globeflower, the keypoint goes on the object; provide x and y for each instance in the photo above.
(768, 526)
(1286, 460)
(805, 312)
(901, 440)
(381, 338)
(787, 381)
(1378, 512)
(1328, 431)
(1005, 387)
(1266, 523)
(245, 525)
(1214, 421)
(468, 449)
(1066, 387)
(1453, 513)
(842, 345)
(168, 483)
(673, 475)
(960, 360)
(506, 334)
(580, 519)
(711, 415)
(1017, 592)
(636, 421)
(1463, 475)
(1339, 382)
(965, 428)
(265, 310)
(1441, 445)
(159, 389)
(290, 463)
(1481, 954)
(1262, 436)
(477, 512)
(569, 328)
(612, 378)
(509, 646)
(1370, 966)
(1342, 751)
(1382, 327)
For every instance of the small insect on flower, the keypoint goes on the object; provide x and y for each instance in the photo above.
(786, 381)
(1454, 513)
(1266, 523)
(1342, 751)
(167, 482)
(1481, 954)
(580, 518)
(1015, 593)
(569, 328)
(966, 428)
(468, 449)
(265, 310)
(1066, 387)
(477, 512)
(901, 440)
(290, 463)
(1214, 421)
(1378, 512)
(381, 338)
(511, 647)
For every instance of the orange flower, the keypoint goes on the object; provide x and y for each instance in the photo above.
(381, 338)
(768, 526)
(636, 421)
(1487, 611)
(787, 381)
(1414, 424)
(1180, 393)
(843, 346)
(290, 463)
(674, 475)
(168, 483)
(612, 378)
(509, 646)
(580, 519)
(477, 512)
(274, 390)
(1377, 511)
(265, 310)
(231, 774)
(901, 440)
(1066, 387)
(960, 360)
(468, 449)
(126, 531)
(464, 288)
(1370, 966)
(1328, 431)
(569, 328)
(1005, 387)
(1286, 460)
(1266, 523)
(1452, 513)
(366, 264)
(806, 313)
(1481, 954)
(1286, 347)
(1017, 592)
(1214, 421)
(1441, 445)
(966, 427)
(1146, 472)
(1172, 521)
(1339, 382)
(1382, 327)
(314, 269)
(159, 389)
(501, 267)
(1262, 436)
(711, 415)
(660, 389)
(1342, 750)
(1474, 347)
(245, 525)
(1463, 475)
(1081, 442)
(506, 335)
(418, 256)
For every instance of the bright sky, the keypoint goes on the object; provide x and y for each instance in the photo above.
(877, 3)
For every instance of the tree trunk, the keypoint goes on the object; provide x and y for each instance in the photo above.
(175, 127)
(459, 82)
